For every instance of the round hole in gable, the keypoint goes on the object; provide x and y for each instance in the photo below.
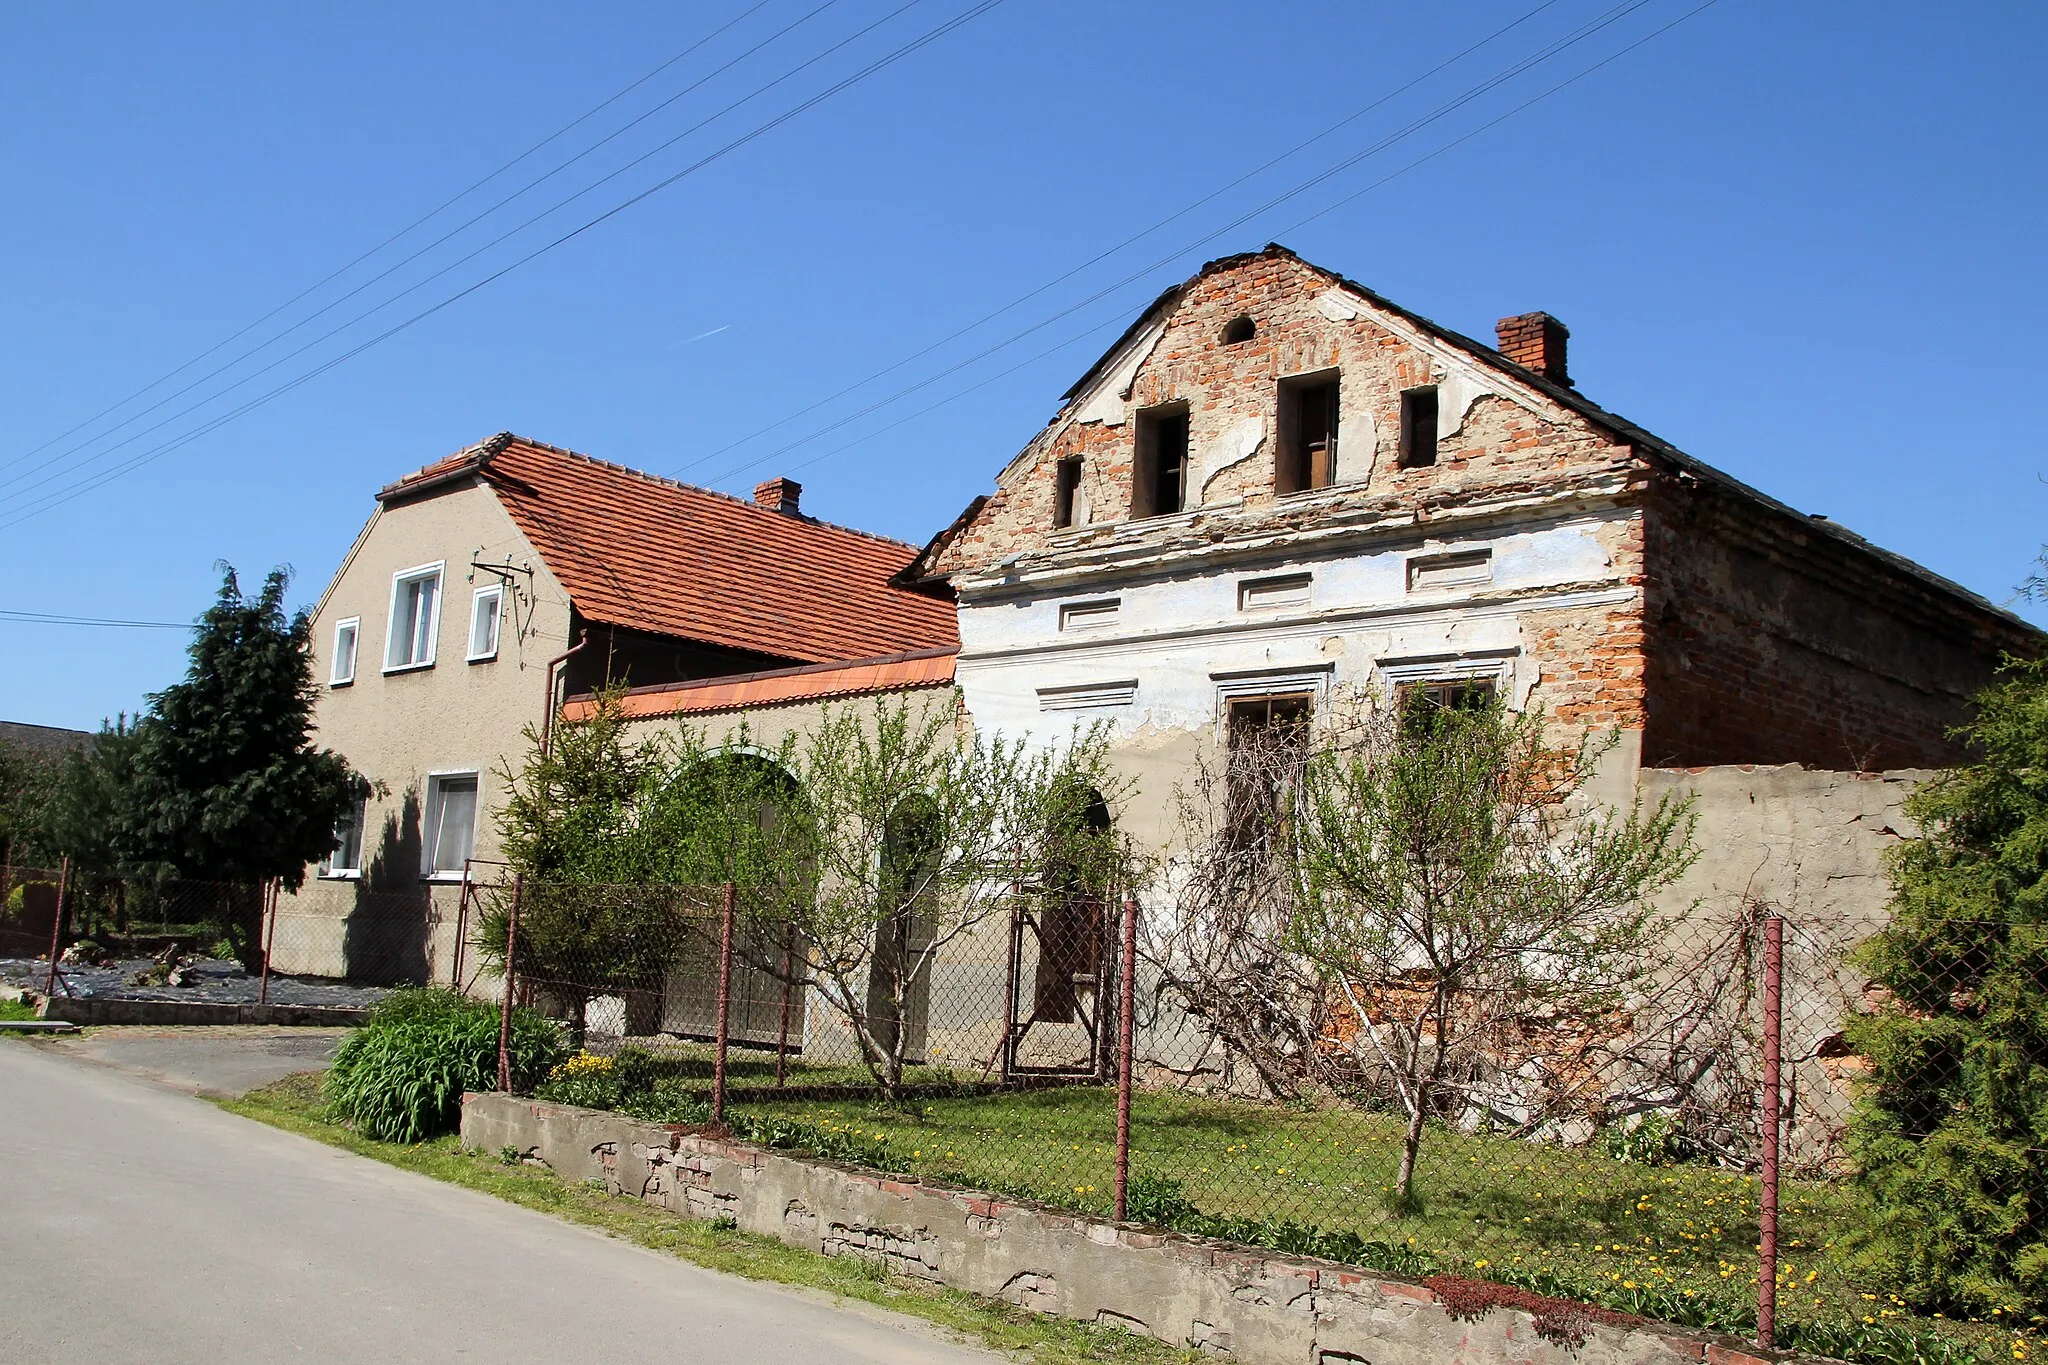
(1239, 330)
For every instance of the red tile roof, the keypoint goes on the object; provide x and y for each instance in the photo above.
(782, 686)
(649, 554)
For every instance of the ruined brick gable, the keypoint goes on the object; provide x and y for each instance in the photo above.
(1500, 439)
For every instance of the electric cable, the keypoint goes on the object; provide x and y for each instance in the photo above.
(1132, 240)
(456, 231)
(1102, 326)
(42, 618)
(1552, 49)
(63, 495)
(424, 218)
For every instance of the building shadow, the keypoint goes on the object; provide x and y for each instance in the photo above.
(385, 937)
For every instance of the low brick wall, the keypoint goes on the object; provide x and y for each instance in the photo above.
(1248, 1305)
(95, 1010)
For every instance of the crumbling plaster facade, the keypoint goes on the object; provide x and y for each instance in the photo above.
(1581, 564)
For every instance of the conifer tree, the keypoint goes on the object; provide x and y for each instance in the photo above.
(226, 784)
(1950, 1134)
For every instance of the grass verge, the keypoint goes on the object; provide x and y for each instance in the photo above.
(295, 1105)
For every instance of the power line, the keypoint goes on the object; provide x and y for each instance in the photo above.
(63, 495)
(456, 231)
(1132, 240)
(426, 217)
(1101, 326)
(41, 618)
(1543, 54)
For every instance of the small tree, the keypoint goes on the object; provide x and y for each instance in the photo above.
(595, 916)
(907, 839)
(226, 783)
(1950, 1129)
(1449, 886)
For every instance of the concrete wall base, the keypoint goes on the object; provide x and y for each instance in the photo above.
(95, 1011)
(1229, 1301)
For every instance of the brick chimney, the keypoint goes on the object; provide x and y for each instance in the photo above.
(779, 495)
(1535, 340)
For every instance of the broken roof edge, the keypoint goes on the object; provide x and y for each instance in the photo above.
(783, 686)
(1647, 444)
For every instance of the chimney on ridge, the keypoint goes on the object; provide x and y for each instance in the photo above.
(1536, 341)
(779, 495)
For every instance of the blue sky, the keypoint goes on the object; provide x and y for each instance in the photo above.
(1799, 241)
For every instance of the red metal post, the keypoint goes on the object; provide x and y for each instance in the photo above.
(505, 1005)
(724, 1009)
(1767, 1198)
(57, 928)
(782, 1034)
(270, 898)
(1127, 993)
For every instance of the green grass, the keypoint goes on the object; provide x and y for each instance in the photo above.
(295, 1105)
(14, 1011)
(1674, 1241)
(747, 1068)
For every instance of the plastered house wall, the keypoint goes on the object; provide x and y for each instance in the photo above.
(397, 728)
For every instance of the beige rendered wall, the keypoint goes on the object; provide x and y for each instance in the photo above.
(398, 728)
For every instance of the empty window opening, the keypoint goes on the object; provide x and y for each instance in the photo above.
(484, 611)
(1162, 464)
(1308, 435)
(1285, 590)
(1426, 707)
(1418, 427)
(450, 832)
(1450, 571)
(1239, 330)
(343, 670)
(1267, 739)
(1072, 943)
(1088, 615)
(1066, 490)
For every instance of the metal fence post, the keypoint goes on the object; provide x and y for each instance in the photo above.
(724, 1008)
(1767, 1197)
(505, 1005)
(270, 899)
(782, 1031)
(57, 928)
(1127, 999)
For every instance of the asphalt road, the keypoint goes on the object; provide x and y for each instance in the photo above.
(211, 1060)
(139, 1224)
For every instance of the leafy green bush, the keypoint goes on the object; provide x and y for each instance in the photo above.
(1652, 1140)
(401, 1076)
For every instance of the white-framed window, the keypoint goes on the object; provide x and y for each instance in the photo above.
(342, 668)
(484, 609)
(345, 859)
(449, 836)
(415, 617)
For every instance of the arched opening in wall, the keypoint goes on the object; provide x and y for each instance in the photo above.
(899, 989)
(1061, 945)
(719, 820)
(1239, 330)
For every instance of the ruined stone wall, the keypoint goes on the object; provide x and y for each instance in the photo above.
(1233, 1302)
(1772, 641)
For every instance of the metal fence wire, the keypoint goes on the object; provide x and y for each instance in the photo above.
(1675, 1140)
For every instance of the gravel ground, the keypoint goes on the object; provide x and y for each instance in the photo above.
(211, 982)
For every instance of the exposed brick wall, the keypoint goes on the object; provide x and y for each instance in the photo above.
(1771, 641)
(1502, 449)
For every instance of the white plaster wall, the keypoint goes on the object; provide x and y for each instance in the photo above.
(1173, 634)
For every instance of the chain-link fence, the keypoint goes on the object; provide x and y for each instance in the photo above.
(1669, 1140)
